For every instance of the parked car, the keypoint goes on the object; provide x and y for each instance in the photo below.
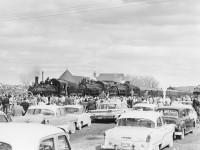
(79, 112)
(192, 113)
(23, 136)
(145, 107)
(180, 117)
(3, 117)
(49, 114)
(143, 130)
(109, 110)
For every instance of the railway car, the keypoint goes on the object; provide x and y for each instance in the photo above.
(90, 87)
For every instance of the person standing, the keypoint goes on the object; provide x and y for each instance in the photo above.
(17, 110)
(25, 105)
(6, 104)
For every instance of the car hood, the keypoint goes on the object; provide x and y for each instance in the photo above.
(137, 134)
(29, 118)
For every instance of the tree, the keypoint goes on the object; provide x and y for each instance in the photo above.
(143, 81)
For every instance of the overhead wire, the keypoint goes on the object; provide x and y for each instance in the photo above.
(79, 9)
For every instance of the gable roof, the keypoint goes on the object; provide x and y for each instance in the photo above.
(111, 77)
(67, 76)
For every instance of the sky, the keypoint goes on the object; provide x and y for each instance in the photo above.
(159, 38)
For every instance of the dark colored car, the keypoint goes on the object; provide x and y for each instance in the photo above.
(180, 117)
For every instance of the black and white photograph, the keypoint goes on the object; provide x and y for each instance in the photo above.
(99, 74)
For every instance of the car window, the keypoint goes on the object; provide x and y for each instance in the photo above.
(169, 112)
(5, 146)
(185, 113)
(47, 144)
(108, 106)
(136, 122)
(142, 108)
(70, 110)
(3, 118)
(63, 143)
(159, 122)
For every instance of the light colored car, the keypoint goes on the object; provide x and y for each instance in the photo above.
(3, 117)
(79, 112)
(145, 107)
(49, 114)
(109, 110)
(141, 130)
(23, 136)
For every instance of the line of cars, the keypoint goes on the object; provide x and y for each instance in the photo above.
(140, 127)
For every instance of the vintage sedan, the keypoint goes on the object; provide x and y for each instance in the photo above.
(179, 116)
(48, 114)
(23, 136)
(109, 110)
(145, 107)
(141, 130)
(79, 112)
(3, 117)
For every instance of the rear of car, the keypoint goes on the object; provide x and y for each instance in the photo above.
(109, 111)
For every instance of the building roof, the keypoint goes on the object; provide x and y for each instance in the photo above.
(67, 76)
(117, 77)
(78, 79)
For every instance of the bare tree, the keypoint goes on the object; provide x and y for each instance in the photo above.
(143, 81)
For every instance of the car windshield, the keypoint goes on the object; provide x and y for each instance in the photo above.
(5, 146)
(3, 118)
(40, 111)
(142, 108)
(70, 110)
(136, 122)
(108, 106)
(169, 113)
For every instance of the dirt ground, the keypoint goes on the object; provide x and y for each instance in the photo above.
(91, 138)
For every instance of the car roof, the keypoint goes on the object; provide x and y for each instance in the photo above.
(186, 106)
(22, 135)
(74, 106)
(146, 105)
(50, 107)
(151, 115)
(177, 107)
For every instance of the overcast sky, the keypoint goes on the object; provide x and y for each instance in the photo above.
(107, 36)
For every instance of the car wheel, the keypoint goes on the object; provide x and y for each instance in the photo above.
(73, 129)
(183, 134)
(194, 124)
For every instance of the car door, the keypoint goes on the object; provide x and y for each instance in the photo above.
(186, 118)
(161, 131)
(190, 120)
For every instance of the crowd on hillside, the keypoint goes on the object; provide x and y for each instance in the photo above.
(18, 104)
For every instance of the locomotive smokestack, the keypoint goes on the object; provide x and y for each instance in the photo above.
(36, 80)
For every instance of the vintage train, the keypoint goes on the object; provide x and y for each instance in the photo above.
(53, 86)
(95, 88)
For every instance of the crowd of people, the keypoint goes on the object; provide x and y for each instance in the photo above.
(17, 104)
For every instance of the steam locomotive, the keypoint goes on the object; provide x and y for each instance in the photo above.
(91, 87)
(53, 86)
